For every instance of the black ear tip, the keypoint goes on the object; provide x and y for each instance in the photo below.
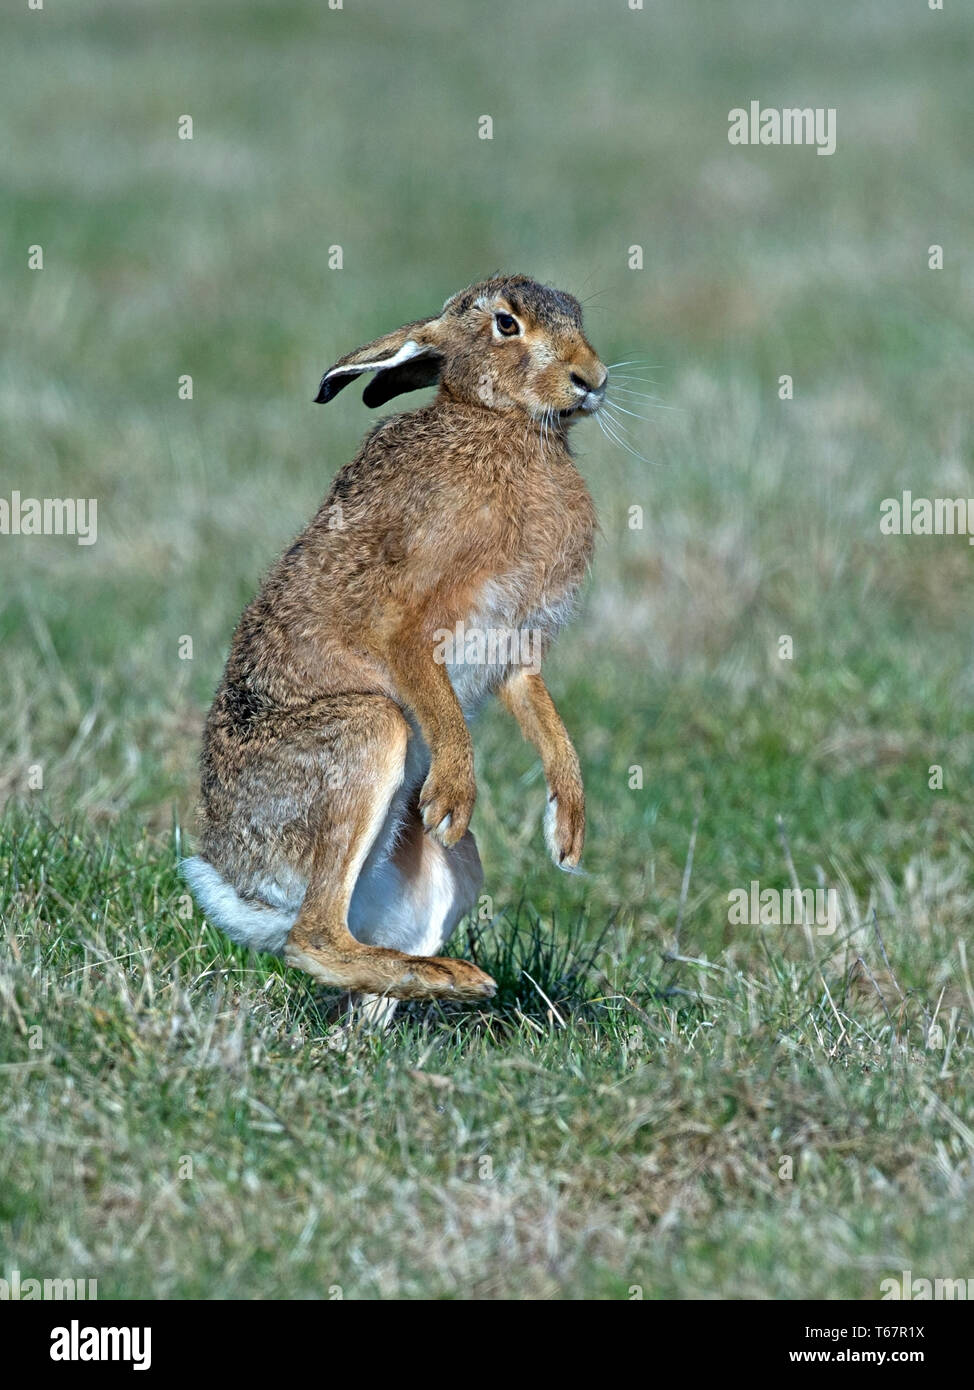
(325, 392)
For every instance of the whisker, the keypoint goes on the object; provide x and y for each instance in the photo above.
(629, 450)
(634, 362)
(632, 383)
(635, 395)
(614, 405)
(610, 433)
(653, 402)
(548, 427)
(633, 391)
(622, 429)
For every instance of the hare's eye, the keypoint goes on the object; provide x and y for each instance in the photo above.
(507, 324)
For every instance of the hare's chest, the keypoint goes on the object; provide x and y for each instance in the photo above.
(512, 626)
(515, 614)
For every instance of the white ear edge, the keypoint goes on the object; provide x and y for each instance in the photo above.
(409, 349)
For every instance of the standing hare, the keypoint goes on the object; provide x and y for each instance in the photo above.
(337, 766)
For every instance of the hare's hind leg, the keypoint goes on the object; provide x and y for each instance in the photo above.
(373, 746)
(410, 896)
(412, 892)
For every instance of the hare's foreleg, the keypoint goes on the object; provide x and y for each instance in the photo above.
(526, 696)
(373, 751)
(447, 796)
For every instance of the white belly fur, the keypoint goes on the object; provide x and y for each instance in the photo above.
(521, 638)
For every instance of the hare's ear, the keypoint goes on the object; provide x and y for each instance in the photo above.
(402, 361)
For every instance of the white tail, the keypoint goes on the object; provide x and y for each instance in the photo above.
(248, 922)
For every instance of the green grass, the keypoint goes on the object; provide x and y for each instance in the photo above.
(617, 1122)
(620, 1115)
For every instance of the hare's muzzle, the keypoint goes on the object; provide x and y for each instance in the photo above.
(591, 393)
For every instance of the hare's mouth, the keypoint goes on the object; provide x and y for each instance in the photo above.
(571, 412)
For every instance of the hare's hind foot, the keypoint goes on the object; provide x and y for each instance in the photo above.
(377, 970)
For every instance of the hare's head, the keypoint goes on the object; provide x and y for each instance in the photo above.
(506, 344)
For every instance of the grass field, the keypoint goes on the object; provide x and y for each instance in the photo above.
(659, 1098)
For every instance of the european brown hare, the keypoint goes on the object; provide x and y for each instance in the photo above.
(337, 766)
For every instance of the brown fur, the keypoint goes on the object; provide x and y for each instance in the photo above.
(331, 673)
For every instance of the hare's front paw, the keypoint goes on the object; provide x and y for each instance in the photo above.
(446, 801)
(564, 824)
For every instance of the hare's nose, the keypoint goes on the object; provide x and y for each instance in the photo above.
(584, 385)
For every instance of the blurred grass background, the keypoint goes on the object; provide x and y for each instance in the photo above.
(358, 128)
